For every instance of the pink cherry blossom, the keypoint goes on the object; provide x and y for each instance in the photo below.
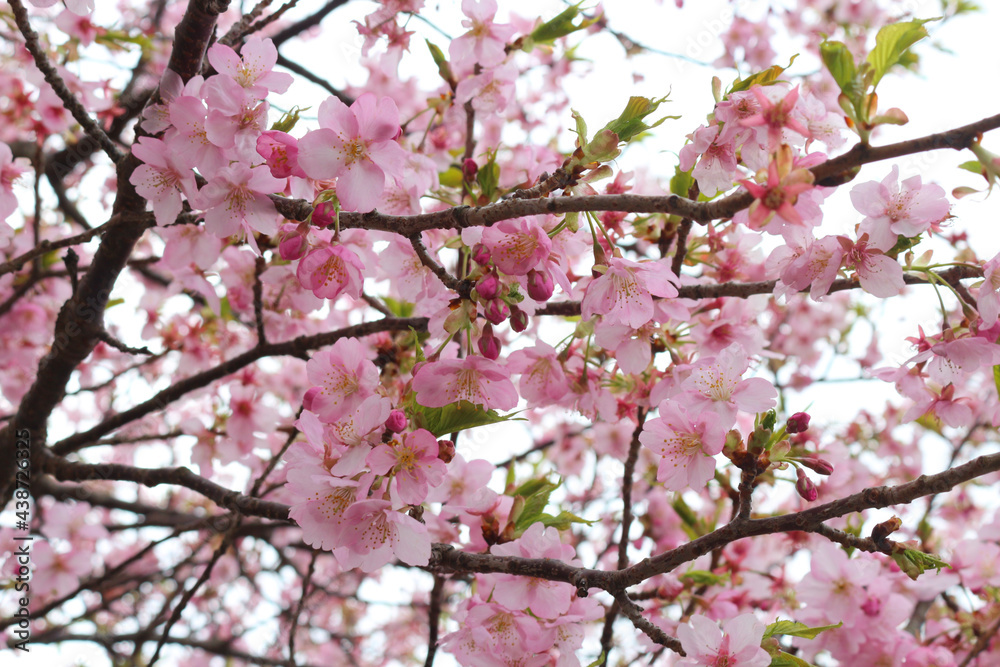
(236, 201)
(546, 599)
(988, 296)
(737, 644)
(686, 447)
(162, 179)
(780, 192)
(879, 275)
(414, 463)
(281, 150)
(486, 41)
(542, 379)
(474, 379)
(908, 208)
(624, 294)
(356, 146)
(10, 172)
(716, 169)
(252, 67)
(377, 533)
(489, 91)
(343, 376)
(517, 246)
(716, 385)
(331, 270)
(775, 116)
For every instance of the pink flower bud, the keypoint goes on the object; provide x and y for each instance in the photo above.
(489, 345)
(797, 423)
(518, 320)
(488, 286)
(480, 254)
(396, 421)
(805, 487)
(324, 214)
(292, 247)
(309, 397)
(540, 285)
(446, 450)
(496, 311)
(817, 465)
(469, 169)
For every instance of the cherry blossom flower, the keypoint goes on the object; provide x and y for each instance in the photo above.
(281, 150)
(891, 208)
(377, 533)
(716, 166)
(252, 68)
(542, 379)
(236, 200)
(716, 385)
(988, 296)
(489, 91)
(414, 462)
(162, 179)
(517, 246)
(10, 171)
(485, 43)
(474, 379)
(780, 192)
(624, 294)
(546, 599)
(879, 274)
(330, 271)
(776, 116)
(356, 146)
(344, 377)
(737, 644)
(686, 447)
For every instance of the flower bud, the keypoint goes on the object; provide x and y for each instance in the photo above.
(480, 254)
(805, 486)
(518, 320)
(817, 465)
(292, 247)
(324, 214)
(496, 311)
(489, 345)
(396, 422)
(469, 169)
(797, 423)
(540, 285)
(309, 397)
(872, 606)
(446, 450)
(488, 286)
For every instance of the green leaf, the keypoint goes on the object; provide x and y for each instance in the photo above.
(768, 76)
(455, 417)
(488, 176)
(840, 63)
(913, 562)
(560, 26)
(795, 629)
(975, 166)
(600, 660)
(399, 308)
(444, 68)
(536, 496)
(112, 303)
(451, 177)
(630, 123)
(581, 127)
(782, 659)
(996, 378)
(681, 182)
(563, 520)
(288, 120)
(704, 578)
(891, 43)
